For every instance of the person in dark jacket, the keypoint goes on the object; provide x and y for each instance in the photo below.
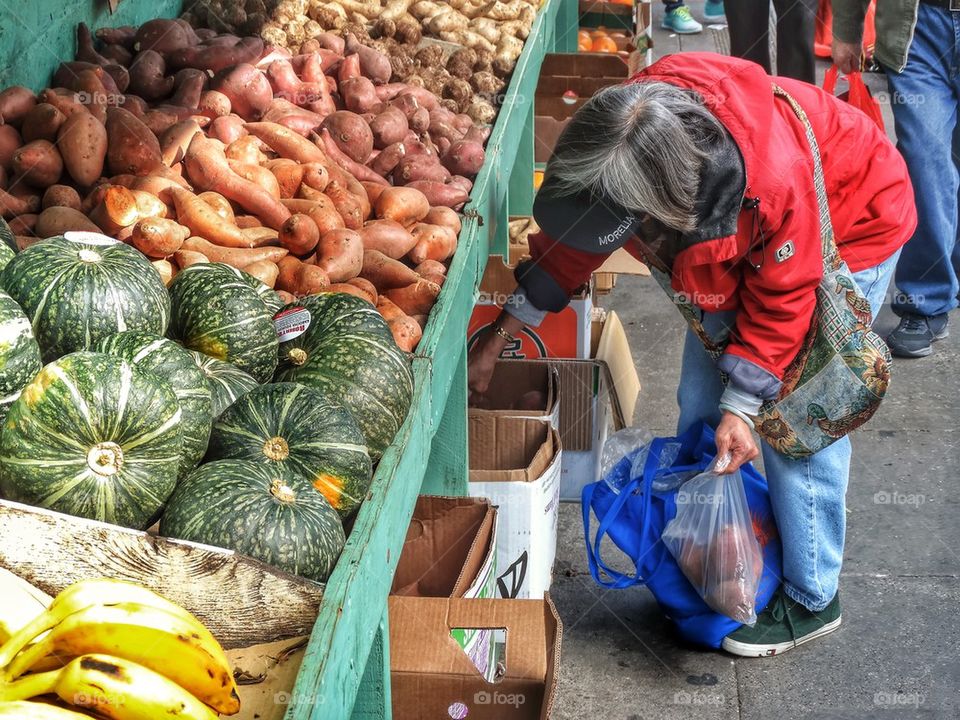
(697, 164)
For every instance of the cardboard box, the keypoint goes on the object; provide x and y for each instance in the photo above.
(515, 463)
(450, 551)
(431, 678)
(512, 380)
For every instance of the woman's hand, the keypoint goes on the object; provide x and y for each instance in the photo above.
(735, 437)
(481, 361)
(846, 56)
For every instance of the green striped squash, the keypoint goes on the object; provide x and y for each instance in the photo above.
(221, 312)
(348, 352)
(6, 237)
(6, 255)
(263, 511)
(79, 288)
(19, 352)
(93, 436)
(164, 358)
(227, 382)
(298, 427)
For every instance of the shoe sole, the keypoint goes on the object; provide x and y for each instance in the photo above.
(680, 32)
(922, 352)
(715, 18)
(744, 650)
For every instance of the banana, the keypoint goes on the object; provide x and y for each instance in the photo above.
(148, 636)
(83, 594)
(113, 687)
(20, 709)
(20, 602)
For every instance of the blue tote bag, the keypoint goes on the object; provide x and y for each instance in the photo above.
(634, 520)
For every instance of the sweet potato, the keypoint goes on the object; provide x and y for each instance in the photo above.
(459, 181)
(419, 167)
(373, 191)
(117, 209)
(245, 222)
(131, 146)
(415, 299)
(286, 84)
(246, 149)
(260, 176)
(25, 224)
(214, 104)
(419, 121)
(388, 159)
(124, 35)
(246, 88)
(162, 35)
(289, 175)
(25, 241)
(388, 127)
(134, 104)
(386, 273)
(431, 267)
(10, 140)
(56, 220)
(286, 143)
(116, 55)
(347, 204)
(39, 163)
(188, 86)
(165, 270)
(15, 102)
(464, 158)
(388, 237)
(359, 95)
(316, 176)
(322, 211)
(203, 220)
(149, 205)
(299, 234)
(351, 134)
(349, 289)
(373, 63)
(68, 102)
(406, 332)
(42, 122)
(227, 129)
(259, 236)
(148, 76)
(366, 287)
(186, 258)
(60, 196)
(404, 205)
(347, 164)
(158, 237)
(264, 271)
(445, 216)
(340, 254)
(438, 193)
(237, 257)
(220, 205)
(207, 168)
(216, 58)
(300, 278)
(176, 139)
(434, 242)
(156, 184)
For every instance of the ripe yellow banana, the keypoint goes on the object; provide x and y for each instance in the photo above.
(148, 636)
(21, 709)
(113, 687)
(20, 602)
(83, 594)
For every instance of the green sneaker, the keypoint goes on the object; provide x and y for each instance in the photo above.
(783, 625)
(680, 21)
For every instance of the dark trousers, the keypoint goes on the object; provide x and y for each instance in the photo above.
(749, 24)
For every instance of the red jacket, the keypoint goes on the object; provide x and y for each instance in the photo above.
(868, 189)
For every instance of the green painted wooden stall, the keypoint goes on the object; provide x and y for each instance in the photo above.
(346, 669)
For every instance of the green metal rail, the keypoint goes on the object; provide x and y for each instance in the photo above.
(346, 669)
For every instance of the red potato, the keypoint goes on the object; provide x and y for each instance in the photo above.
(148, 76)
(15, 102)
(322, 211)
(299, 234)
(237, 257)
(57, 220)
(260, 176)
(404, 205)
(39, 163)
(418, 298)
(389, 237)
(464, 158)
(131, 147)
(214, 104)
(419, 167)
(60, 196)
(246, 88)
(286, 143)
(434, 242)
(42, 122)
(10, 140)
(176, 139)
(351, 134)
(227, 128)
(163, 36)
(340, 254)
(204, 220)
(388, 127)
(264, 271)
(218, 57)
(373, 63)
(116, 210)
(346, 163)
(289, 175)
(188, 86)
(158, 237)
(386, 273)
(438, 193)
(12, 205)
(207, 168)
(445, 216)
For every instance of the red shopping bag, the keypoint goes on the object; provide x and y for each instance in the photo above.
(858, 95)
(823, 34)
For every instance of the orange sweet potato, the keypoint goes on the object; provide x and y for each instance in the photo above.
(404, 205)
(83, 143)
(205, 221)
(237, 257)
(386, 273)
(349, 289)
(60, 196)
(246, 149)
(259, 176)
(39, 163)
(186, 258)
(56, 220)
(286, 143)
(299, 234)
(289, 175)
(264, 271)
(340, 254)
(389, 237)
(445, 216)
(158, 237)
(365, 286)
(220, 205)
(434, 242)
(176, 139)
(300, 278)
(116, 209)
(131, 146)
(415, 299)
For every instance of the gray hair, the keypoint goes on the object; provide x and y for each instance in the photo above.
(642, 146)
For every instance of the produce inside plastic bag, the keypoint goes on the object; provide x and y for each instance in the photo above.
(713, 541)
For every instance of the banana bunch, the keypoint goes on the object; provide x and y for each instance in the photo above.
(127, 653)
(20, 602)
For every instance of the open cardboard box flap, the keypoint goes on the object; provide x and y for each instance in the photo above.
(510, 449)
(447, 544)
(614, 352)
(430, 673)
(511, 380)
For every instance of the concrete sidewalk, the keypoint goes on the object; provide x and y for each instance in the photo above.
(897, 654)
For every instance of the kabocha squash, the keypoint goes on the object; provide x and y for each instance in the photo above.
(93, 436)
(347, 351)
(263, 511)
(227, 382)
(81, 287)
(164, 358)
(299, 428)
(19, 352)
(6, 255)
(221, 312)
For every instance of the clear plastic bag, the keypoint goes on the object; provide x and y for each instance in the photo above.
(713, 541)
(635, 443)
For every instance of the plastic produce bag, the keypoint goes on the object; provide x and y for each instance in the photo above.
(713, 541)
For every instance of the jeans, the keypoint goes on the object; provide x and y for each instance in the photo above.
(925, 100)
(749, 25)
(807, 495)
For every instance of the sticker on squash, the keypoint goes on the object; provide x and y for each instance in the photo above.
(89, 238)
(291, 323)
